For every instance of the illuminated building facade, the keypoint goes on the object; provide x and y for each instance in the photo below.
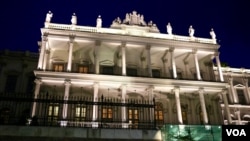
(132, 76)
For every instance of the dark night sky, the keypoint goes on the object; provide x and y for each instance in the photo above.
(21, 20)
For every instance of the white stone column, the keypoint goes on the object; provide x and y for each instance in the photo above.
(150, 98)
(50, 60)
(226, 107)
(96, 57)
(124, 112)
(66, 97)
(219, 67)
(45, 59)
(148, 47)
(203, 106)
(42, 51)
(37, 90)
(123, 49)
(237, 112)
(247, 92)
(173, 63)
(187, 71)
(197, 67)
(165, 61)
(178, 104)
(71, 44)
(95, 96)
(233, 92)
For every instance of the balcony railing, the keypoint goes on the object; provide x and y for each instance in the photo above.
(116, 74)
(16, 109)
(125, 32)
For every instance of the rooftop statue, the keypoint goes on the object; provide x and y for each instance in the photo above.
(74, 19)
(99, 22)
(48, 17)
(191, 31)
(134, 19)
(169, 29)
(127, 19)
(150, 23)
(117, 21)
(212, 33)
(142, 22)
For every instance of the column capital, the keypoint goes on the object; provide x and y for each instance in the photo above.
(123, 44)
(45, 38)
(245, 80)
(194, 50)
(72, 38)
(96, 84)
(38, 81)
(39, 43)
(151, 87)
(164, 60)
(185, 62)
(97, 42)
(148, 46)
(217, 53)
(171, 49)
(201, 90)
(47, 51)
(67, 82)
(176, 89)
(224, 92)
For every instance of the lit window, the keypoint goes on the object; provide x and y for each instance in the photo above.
(58, 67)
(133, 117)
(107, 113)
(159, 113)
(80, 114)
(184, 114)
(53, 112)
(83, 69)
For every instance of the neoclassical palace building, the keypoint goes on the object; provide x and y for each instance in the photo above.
(131, 76)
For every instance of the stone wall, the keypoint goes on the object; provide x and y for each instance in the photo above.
(24, 133)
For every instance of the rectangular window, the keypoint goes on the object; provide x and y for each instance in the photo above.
(83, 69)
(10, 85)
(107, 113)
(131, 72)
(53, 112)
(80, 113)
(133, 117)
(241, 96)
(58, 67)
(108, 70)
(159, 113)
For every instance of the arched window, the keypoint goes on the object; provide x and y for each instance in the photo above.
(159, 115)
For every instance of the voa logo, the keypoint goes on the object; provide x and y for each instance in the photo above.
(236, 132)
